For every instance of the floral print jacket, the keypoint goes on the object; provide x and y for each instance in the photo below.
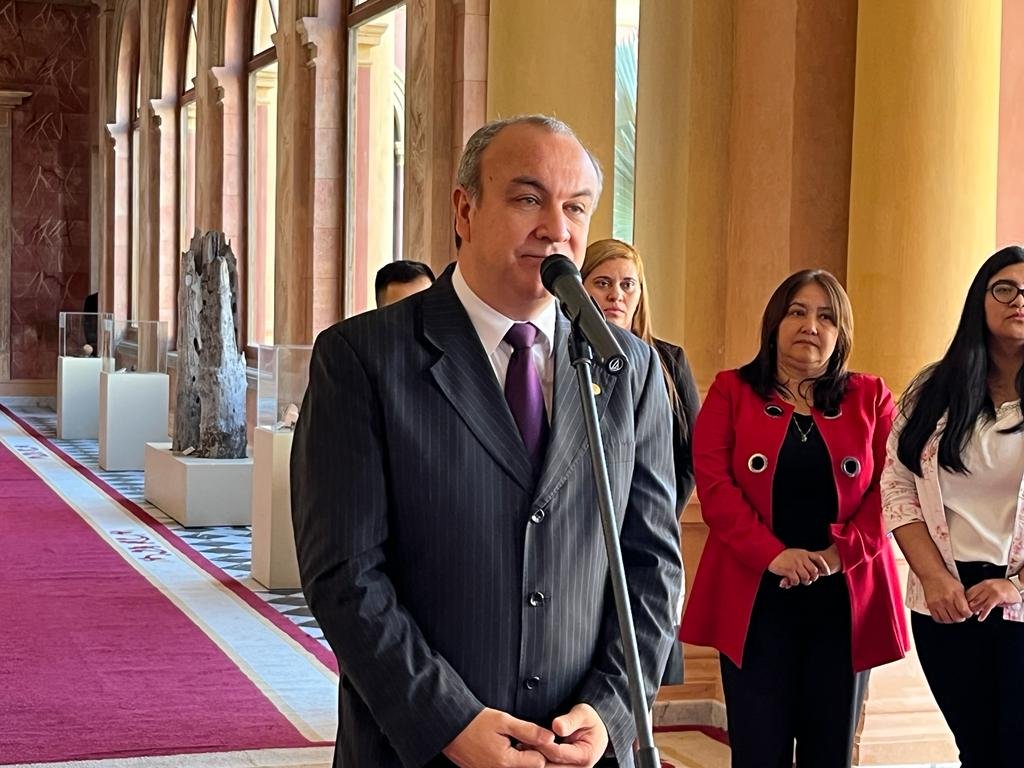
(907, 498)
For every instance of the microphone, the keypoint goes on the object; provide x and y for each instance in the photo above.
(561, 278)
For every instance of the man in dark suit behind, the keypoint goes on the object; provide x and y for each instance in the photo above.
(448, 536)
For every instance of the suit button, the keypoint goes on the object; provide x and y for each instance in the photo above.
(538, 516)
(531, 682)
(536, 598)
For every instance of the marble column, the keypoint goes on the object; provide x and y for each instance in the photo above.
(923, 205)
(322, 37)
(9, 100)
(293, 262)
(427, 228)
(533, 65)
(924, 179)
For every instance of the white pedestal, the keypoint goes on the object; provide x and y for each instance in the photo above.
(273, 541)
(133, 412)
(199, 492)
(78, 397)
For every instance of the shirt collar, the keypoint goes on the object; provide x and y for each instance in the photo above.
(491, 326)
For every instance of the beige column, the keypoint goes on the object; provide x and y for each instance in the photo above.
(1010, 217)
(293, 262)
(922, 219)
(744, 125)
(469, 91)
(9, 100)
(210, 119)
(319, 287)
(558, 58)
(427, 228)
(923, 191)
(120, 141)
(165, 249)
(148, 193)
(102, 191)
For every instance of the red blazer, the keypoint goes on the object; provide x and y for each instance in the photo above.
(737, 433)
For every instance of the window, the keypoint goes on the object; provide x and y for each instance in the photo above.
(627, 26)
(264, 25)
(187, 128)
(262, 174)
(376, 107)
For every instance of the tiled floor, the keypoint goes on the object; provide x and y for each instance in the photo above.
(230, 548)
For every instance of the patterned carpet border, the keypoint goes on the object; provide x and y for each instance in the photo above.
(322, 654)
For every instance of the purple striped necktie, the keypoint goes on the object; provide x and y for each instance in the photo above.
(524, 393)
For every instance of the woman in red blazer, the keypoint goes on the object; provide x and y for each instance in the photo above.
(797, 586)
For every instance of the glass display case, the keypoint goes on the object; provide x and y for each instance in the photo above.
(283, 376)
(133, 346)
(78, 334)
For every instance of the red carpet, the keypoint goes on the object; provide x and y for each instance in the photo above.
(95, 661)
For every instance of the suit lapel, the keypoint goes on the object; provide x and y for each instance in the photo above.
(466, 377)
(568, 430)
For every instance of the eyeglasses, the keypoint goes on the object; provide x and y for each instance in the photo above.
(1005, 292)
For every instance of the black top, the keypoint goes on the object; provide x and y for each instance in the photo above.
(683, 417)
(804, 500)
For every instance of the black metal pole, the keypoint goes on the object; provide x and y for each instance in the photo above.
(582, 358)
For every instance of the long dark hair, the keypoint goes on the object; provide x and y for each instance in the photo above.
(761, 373)
(956, 385)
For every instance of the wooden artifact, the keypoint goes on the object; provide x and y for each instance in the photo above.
(209, 418)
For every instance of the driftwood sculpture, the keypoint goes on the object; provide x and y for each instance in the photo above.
(209, 419)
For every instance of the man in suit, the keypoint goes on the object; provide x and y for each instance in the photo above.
(398, 280)
(444, 502)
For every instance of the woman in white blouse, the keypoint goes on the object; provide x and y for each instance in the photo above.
(952, 495)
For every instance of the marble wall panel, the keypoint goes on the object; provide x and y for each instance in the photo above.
(44, 49)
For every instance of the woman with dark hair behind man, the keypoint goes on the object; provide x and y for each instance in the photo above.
(613, 274)
(797, 584)
(952, 493)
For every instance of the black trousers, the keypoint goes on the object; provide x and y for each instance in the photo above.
(976, 672)
(797, 683)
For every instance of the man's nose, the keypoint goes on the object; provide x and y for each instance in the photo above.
(553, 226)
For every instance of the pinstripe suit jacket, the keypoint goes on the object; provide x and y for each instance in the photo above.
(425, 543)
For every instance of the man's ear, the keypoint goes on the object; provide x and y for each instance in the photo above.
(462, 205)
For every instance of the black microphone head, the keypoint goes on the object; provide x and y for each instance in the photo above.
(555, 266)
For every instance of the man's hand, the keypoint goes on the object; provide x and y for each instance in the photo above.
(986, 595)
(798, 566)
(495, 739)
(583, 738)
(946, 600)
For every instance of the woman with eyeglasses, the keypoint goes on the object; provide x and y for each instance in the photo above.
(953, 497)
(613, 274)
(797, 586)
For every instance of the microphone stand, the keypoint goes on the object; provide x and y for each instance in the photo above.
(582, 358)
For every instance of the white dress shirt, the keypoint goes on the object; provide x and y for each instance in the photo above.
(491, 326)
(981, 506)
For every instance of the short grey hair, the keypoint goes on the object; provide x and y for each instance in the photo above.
(468, 176)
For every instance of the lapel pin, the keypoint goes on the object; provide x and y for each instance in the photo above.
(596, 388)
